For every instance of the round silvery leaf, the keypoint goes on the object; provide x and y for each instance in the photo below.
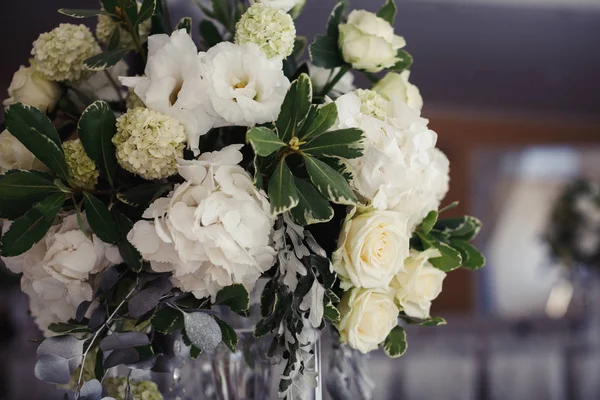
(67, 347)
(124, 340)
(91, 390)
(122, 357)
(52, 368)
(202, 330)
(147, 299)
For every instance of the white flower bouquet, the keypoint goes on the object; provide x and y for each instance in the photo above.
(147, 185)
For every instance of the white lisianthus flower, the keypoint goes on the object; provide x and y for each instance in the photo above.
(173, 84)
(371, 248)
(418, 284)
(321, 76)
(213, 230)
(269, 28)
(13, 155)
(30, 88)
(58, 55)
(100, 86)
(285, 5)
(400, 169)
(397, 86)
(245, 88)
(149, 143)
(368, 42)
(58, 271)
(367, 317)
(82, 170)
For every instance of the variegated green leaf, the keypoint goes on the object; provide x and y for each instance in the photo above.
(329, 182)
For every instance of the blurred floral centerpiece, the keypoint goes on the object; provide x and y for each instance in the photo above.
(147, 186)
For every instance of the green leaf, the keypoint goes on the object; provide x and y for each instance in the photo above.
(195, 352)
(300, 44)
(325, 117)
(463, 228)
(115, 39)
(324, 52)
(36, 132)
(450, 206)
(13, 209)
(105, 60)
(312, 207)
(96, 127)
(331, 313)
(344, 143)
(230, 338)
(329, 182)
(185, 23)
(146, 11)
(450, 258)
(283, 194)
(209, 33)
(22, 185)
(434, 321)
(263, 141)
(334, 21)
(429, 222)
(388, 12)
(167, 320)
(100, 219)
(395, 343)
(63, 328)
(405, 60)
(29, 229)
(144, 194)
(471, 257)
(131, 256)
(295, 108)
(222, 12)
(236, 297)
(79, 13)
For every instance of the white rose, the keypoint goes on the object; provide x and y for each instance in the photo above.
(371, 249)
(367, 317)
(213, 230)
(244, 86)
(74, 255)
(396, 85)
(418, 284)
(13, 155)
(29, 87)
(285, 5)
(368, 42)
(321, 76)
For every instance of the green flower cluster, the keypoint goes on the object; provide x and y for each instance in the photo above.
(138, 390)
(82, 170)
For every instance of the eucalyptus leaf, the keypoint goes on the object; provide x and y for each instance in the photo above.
(67, 347)
(35, 131)
(295, 108)
(105, 60)
(395, 343)
(91, 390)
(283, 194)
(82, 309)
(329, 182)
(264, 141)
(100, 219)
(146, 300)
(52, 368)
(124, 340)
(312, 207)
(122, 357)
(202, 330)
(236, 297)
(324, 52)
(96, 128)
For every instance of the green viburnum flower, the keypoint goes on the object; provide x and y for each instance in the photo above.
(138, 390)
(106, 26)
(269, 28)
(372, 103)
(148, 143)
(58, 55)
(133, 100)
(82, 170)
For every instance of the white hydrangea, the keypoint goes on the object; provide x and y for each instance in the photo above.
(82, 170)
(372, 103)
(396, 86)
(148, 143)
(244, 87)
(213, 230)
(321, 76)
(285, 5)
(173, 83)
(106, 26)
(58, 271)
(58, 55)
(269, 28)
(400, 169)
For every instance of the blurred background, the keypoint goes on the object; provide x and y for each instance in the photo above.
(511, 87)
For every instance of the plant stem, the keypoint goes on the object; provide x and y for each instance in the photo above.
(343, 70)
(114, 85)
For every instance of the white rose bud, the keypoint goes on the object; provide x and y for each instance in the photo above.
(368, 42)
(29, 87)
(367, 317)
(285, 5)
(13, 155)
(396, 86)
(419, 284)
(371, 249)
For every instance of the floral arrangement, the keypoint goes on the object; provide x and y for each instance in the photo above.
(573, 234)
(147, 186)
